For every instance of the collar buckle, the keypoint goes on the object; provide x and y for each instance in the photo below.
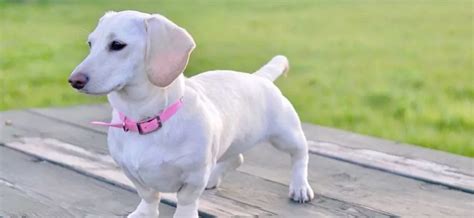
(149, 126)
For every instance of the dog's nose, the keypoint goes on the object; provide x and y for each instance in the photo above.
(78, 80)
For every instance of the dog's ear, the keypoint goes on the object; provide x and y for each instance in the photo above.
(167, 51)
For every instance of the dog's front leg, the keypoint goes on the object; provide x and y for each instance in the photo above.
(188, 194)
(188, 200)
(148, 206)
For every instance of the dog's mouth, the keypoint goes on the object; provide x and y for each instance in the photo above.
(89, 92)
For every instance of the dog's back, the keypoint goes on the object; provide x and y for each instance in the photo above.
(250, 104)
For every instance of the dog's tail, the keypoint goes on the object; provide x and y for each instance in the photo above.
(274, 68)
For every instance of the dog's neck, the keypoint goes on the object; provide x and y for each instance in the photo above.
(141, 99)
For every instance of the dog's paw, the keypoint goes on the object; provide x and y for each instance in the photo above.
(143, 211)
(301, 193)
(140, 214)
(186, 212)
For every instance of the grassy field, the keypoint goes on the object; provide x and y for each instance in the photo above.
(401, 70)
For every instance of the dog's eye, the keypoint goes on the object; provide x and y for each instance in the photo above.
(90, 44)
(116, 46)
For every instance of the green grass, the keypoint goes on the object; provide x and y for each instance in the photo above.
(401, 70)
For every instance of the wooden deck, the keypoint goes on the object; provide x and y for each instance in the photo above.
(54, 164)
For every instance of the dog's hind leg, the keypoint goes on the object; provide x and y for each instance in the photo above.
(288, 137)
(223, 167)
(294, 143)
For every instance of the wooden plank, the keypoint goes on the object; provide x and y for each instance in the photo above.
(34, 188)
(103, 168)
(372, 188)
(271, 198)
(15, 202)
(413, 168)
(358, 141)
(23, 123)
(80, 115)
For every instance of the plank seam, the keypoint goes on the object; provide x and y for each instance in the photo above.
(315, 151)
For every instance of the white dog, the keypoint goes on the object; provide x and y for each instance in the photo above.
(207, 121)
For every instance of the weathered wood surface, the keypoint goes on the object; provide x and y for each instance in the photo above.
(414, 168)
(363, 186)
(226, 201)
(358, 141)
(344, 187)
(103, 168)
(35, 188)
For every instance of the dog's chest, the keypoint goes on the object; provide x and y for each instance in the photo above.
(147, 164)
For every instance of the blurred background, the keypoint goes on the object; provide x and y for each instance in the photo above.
(401, 70)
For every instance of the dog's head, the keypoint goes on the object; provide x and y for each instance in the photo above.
(126, 46)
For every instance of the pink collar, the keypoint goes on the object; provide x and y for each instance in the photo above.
(146, 126)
